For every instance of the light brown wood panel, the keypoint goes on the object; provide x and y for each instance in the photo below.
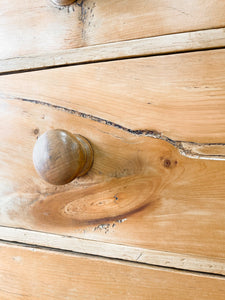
(173, 43)
(181, 96)
(30, 273)
(140, 190)
(182, 261)
(35, 27)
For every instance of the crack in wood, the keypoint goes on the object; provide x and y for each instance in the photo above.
(185, 148)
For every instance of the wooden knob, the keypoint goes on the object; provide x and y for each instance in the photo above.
(63, 2)
(59, 156)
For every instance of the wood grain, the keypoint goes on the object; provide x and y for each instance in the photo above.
(45, 28)
(182, 261)
(30, 273)
(173, 43)
(180, 96)
(139, 192)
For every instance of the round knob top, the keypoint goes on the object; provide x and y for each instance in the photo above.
(59, 156)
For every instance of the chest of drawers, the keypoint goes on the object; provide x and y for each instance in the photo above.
(144, 84)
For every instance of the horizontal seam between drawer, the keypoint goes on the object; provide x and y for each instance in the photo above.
(202, 40)
(112, 259)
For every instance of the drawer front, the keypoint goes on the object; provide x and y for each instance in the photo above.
(39, 274)
(156, 182)
(47, 28)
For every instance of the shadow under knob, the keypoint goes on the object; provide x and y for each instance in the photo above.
(59, 156)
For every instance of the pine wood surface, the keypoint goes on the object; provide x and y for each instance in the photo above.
(164, 44)
(155, 194)
(140, 191)
(182, 261)
(45, 28)
(180, 96)
(30, 273)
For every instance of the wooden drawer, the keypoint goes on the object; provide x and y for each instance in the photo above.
(47, 28)
(157, 129)
(42, 274)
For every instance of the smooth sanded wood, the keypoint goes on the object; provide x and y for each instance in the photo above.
(128, 253)
(38, 27)
(30, 273)
(180, 96)
(140, 191)
(173, 43)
